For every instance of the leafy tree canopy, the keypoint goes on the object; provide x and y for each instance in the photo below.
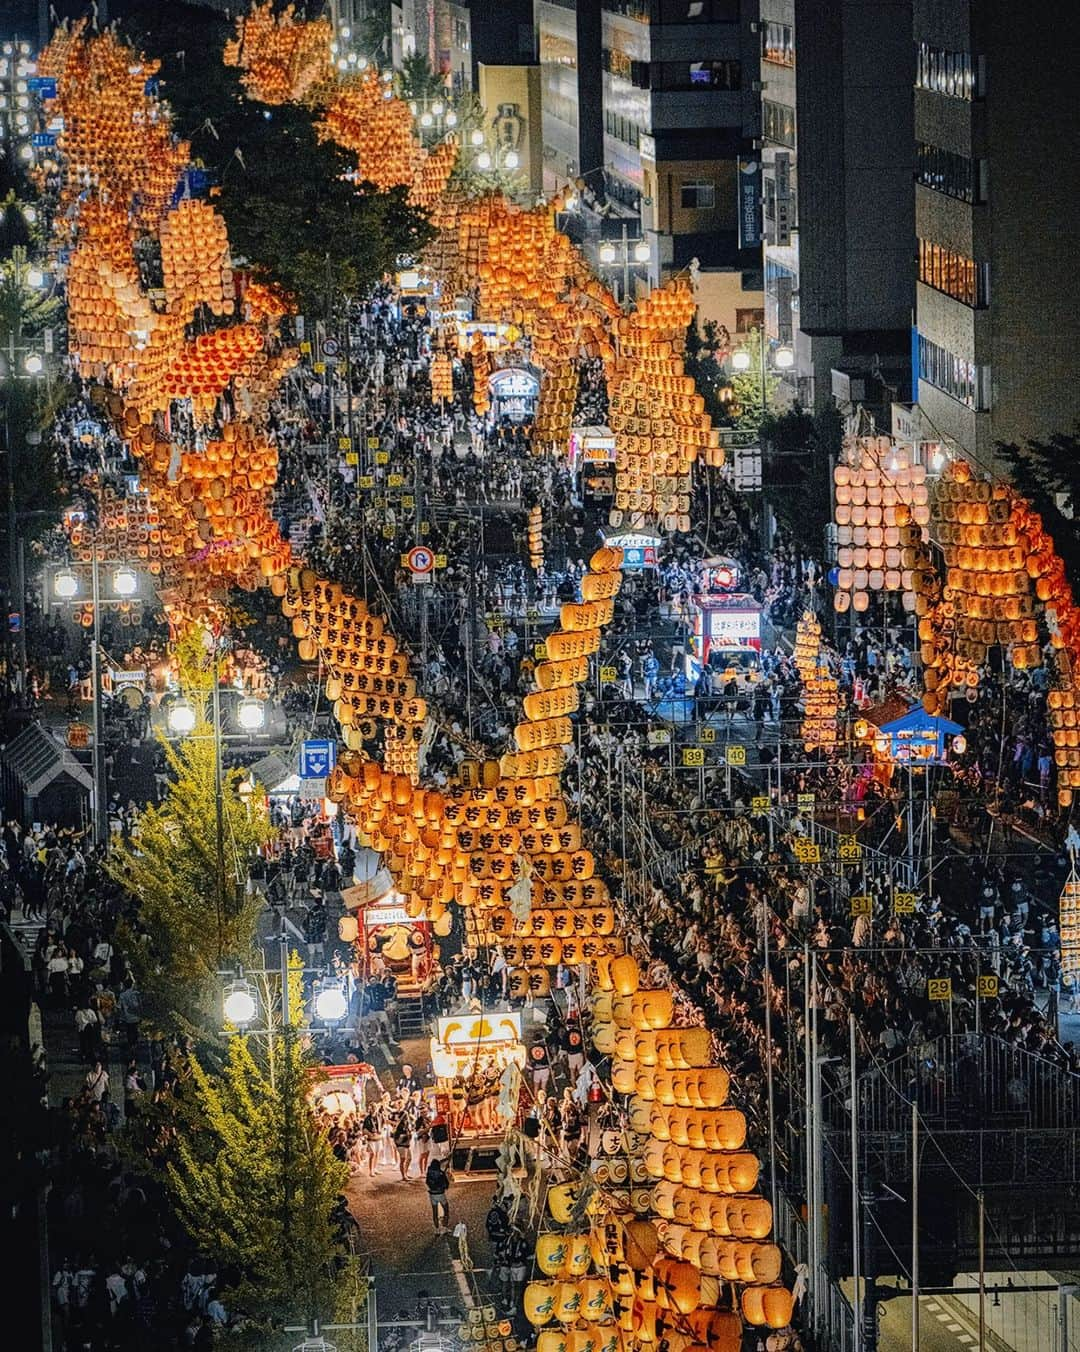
(289, 207)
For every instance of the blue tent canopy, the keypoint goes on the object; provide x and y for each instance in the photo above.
(918, 738)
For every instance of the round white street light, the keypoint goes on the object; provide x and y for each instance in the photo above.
(437, 108)
(483, 160)
(783, 358)
(641, 252)
(181, 717)
(451, 118)
(33, 364)
(477, 137)
(607, 253)
(331, 1005)
(35, 277)
(125, 582)
(250, 714)
(26, 152)
(740, 361)
(66, 584)
(513, 159)
(426, 120)
(239, 1004)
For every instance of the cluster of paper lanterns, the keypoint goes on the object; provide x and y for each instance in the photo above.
(283, 59)
(482, 367)
(821, 692)
(377, 129)
(555, 407)
(535, 541)
(367, 675)
(441, 372)
(115, 137)
(484, 1332)
(669, 1246)
(878, 491)
(658, 418)
(195, 259)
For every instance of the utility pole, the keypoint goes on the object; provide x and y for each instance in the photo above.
(97, 759)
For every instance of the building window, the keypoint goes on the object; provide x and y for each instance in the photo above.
(778, 44)
(695, 11)
(961, 379)
(957, 75)
(748, 320)
(619, 65)
(629, 133)
(630, 9)
(697, 194)
(946, 172)
(778, 122)
(697, 75)
(954, 274)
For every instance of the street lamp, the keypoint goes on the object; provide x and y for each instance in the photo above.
(125, 582)
(784, 358)
(239, 1005)
(181, 717)
(331, 1005)
(33, 365)
(624, 253)
(740, 360)
(251, 714)
(66, 584)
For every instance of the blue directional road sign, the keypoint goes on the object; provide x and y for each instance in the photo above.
(317, 758)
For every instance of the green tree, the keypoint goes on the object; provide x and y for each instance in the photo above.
(710, 377)
(194, 917)
(1048, 474)
(254, 1182)
(293, 213)
(799, 450)
(751, 404)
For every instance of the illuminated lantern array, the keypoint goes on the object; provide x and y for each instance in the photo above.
(878, 491)
(282, 60)
(482, 367)
(536, 538)
(821, 691)
(195, 258)
(711, 1229)
(442, 377)
(378, 131)
(658, 418)
(115, 137)
(431, 170)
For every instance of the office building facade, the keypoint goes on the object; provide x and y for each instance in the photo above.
(997, 189)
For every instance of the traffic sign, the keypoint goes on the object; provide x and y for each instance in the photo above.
(693, 757)
(420, 559)
(317, 758)
(939, 988)
(311, 789)
(331, 347)
(736, 755)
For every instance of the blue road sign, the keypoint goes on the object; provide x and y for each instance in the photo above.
(43, 138)
(42, 85)
(317, 758)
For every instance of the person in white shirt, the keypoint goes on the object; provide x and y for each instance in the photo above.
(97, 1082)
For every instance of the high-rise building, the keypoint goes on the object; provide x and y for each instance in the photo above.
(839, 200)
(568, 49)
(655, 105)
(997, 191)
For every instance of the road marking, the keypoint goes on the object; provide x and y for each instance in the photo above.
(954, 1327)
(964, 1338)
(932, 1305)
